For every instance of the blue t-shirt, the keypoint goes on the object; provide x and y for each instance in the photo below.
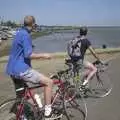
(19, 59)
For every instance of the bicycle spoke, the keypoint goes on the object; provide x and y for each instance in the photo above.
(75, 107)
(100, 86)
(9, 109)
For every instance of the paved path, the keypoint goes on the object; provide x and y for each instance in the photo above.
(107, 108)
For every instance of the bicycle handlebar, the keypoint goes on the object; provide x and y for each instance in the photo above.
(101, 66)
(100, 63)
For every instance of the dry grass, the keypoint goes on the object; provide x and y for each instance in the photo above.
(53, 65)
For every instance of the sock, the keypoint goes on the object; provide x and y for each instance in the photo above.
(48, 110)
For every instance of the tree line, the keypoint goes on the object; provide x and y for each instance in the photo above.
(9, 23)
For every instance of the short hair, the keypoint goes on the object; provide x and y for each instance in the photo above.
(29, 20)
(83, 30)
(34, 21)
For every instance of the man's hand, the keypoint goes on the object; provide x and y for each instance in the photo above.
(41, 56)
(47, 56)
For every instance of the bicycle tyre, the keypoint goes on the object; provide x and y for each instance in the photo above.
(100, 86)
(58, 109)
(8, 110)
(75, 104)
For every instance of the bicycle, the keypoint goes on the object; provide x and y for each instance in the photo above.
(20, 109)
(74, 102)
(99, 85)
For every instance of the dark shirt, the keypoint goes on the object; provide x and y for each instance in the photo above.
(85, 44)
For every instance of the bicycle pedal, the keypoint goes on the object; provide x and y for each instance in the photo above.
(78, 95)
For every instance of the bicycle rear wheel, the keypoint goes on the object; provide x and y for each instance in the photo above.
(100, 86)
(8, 110)
(75, 104)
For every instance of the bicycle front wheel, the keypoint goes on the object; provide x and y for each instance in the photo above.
(100, 86)
(74, 104)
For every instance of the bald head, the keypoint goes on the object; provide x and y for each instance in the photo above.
(29, 21)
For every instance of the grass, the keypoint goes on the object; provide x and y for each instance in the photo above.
(98, 51)
(63, 55)
(5, 47)
(50, 66)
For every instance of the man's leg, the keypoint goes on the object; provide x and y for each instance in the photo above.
(91, 70)
(47, 93)
(36, 77)
(47, 89)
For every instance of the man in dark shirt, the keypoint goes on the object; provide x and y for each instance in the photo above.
(81, 44)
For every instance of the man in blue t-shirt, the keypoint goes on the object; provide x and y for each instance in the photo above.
(19, 63)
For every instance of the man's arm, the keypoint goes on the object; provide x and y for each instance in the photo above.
(27, 45)
(93, 53)
(40, 56)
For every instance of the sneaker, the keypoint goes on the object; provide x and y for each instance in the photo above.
(51, 114)
(48, 110)
(85, 82)
(23, 117)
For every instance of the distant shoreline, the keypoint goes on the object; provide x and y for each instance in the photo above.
(6, 45)
(5, 48)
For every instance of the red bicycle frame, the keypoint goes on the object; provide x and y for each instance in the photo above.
(28, 94)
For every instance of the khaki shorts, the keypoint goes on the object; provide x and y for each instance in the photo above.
(31, 76)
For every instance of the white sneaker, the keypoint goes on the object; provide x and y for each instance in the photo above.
(48, 110)
(23, 117)
(85, 82)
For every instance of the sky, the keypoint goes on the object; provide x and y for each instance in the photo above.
(63, 12)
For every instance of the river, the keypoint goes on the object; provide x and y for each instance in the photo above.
(98, 36)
